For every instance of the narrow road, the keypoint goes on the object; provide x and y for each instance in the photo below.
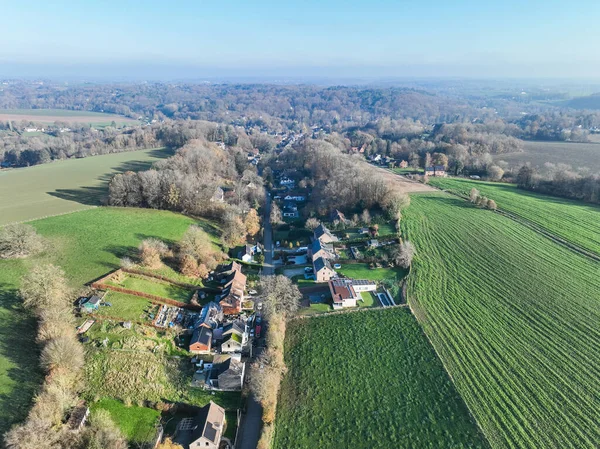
(251, 424)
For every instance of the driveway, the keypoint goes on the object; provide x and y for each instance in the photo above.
(291, 272)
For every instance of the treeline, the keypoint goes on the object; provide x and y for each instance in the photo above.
(338, 180)
(201, 179)
(262, 105)
(560, 180)
(22, 151)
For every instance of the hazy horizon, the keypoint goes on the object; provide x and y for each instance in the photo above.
(325, 39)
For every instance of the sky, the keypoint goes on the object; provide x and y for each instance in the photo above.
(376, 38)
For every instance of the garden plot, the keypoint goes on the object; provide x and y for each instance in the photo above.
(149, 287)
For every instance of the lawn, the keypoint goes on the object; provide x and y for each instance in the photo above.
(514, 317)
(367, 300)
(127, 307)
(576, 222)
(86, 245)
(315, 309)
(138, 424)
(65, 186)
(49, 116)
(155, 287)
(362, 271)
(371, 380)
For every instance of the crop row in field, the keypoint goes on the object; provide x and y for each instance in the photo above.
(368, 379)
(573, 221)
(515, 318)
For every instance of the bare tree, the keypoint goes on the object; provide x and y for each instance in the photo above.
(276, 216)
(402, 255)
(279, 294)
(44, 286)
(495, 173)
(151, 252)
(474, 195)
(19, 240)
(312, 224)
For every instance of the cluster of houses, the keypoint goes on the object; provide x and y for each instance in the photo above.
(220, 331)
(436, 170)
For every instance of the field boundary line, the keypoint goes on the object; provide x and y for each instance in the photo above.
(50, 216)
(448, 373)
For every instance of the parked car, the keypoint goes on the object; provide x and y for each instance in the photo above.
(252, 292)
(277, 244)
(258, 319)
(308, 269)
(259, 306)
(258, 331)
(252, 333)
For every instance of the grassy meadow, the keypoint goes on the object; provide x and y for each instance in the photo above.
(371, 380)
(86, 245)
(573, 221)
(65, 186)
(514, 317)
(49, 116)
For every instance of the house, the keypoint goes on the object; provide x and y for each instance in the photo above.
(294, 197)
(90, 304)
(336, 215)
(373, 243)
(403, 164)
(248, 252)
(362, 285)
(322, 269)
(227, 373)
(287, 182)
(323, 234)
(343, 293)
(234, 336)
(203, 431)
(210, 316)
(233, 293)
(320, 249)
(437, 170)
(218, 196)
(201, 342)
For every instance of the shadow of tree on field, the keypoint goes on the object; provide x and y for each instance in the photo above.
(17, 345)
(98, 195)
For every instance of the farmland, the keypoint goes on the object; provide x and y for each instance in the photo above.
(571, 153)
(576, 222)
(65, 186)
(348, 386)
(514, 317)
(86, 245)
(155, 287)
(49, 116)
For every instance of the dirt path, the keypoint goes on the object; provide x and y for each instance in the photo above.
(402, 183)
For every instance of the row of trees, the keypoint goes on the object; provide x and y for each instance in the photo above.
(46, 293)
(560, 180)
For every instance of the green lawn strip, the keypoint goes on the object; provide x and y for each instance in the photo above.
(573, 221)
(362, 271)
(514, 317)
(127, 307)
(367, 300)
(231, 419)
(138, 424)
(315, 309)
(155, 287)
(368, 379)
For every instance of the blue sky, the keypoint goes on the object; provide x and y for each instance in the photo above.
(366, 38)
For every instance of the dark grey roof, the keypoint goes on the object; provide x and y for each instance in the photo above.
(322, 230)
(321, 263)
(202, 335)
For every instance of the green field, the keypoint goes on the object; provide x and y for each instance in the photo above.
(368, 380)
(572, 153)
(65, 186)
(515, 318)
(49, 116)
(154, 287)
(362, 271)
(127, 307)
(138, 424)
(576, 222)
(86, 245)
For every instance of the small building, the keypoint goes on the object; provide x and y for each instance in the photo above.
(297, 198)
(233, 293)
(324, 235)
(90, 304)
(437, 170)
(323, 271)
(227, 373)
(203, 431)
(373, 243)
(201, 342)
(232, 343)
(78, 417)
(248, 252)
(218, 196)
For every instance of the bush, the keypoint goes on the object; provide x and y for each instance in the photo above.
(151, 251)
(63, 353)
(19, 240)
